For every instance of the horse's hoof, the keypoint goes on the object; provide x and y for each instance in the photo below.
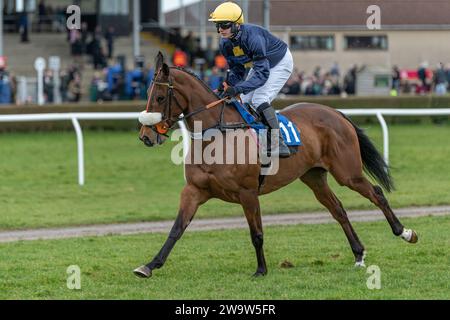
(258, 274)
(360, 264)
(414, 237)
(409, 235)
(143, 272)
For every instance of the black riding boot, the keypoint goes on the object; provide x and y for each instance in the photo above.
(270, 117)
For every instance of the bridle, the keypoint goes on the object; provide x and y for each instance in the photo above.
(167, 122)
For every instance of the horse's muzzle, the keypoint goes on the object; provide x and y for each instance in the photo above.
(146, 141)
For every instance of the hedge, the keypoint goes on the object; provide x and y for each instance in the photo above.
(429, 101)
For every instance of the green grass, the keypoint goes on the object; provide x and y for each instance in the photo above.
(127, 182)
(219, 264)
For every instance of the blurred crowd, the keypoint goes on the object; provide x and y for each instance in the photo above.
(422, 81)
(47, 18)
(320, 82)
(112, 80)
(116, 82)
(98, 46)
(69, 85)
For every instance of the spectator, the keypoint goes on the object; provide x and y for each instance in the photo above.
(5, 86)
(317, 72)
(60, 19)
(48, 86)
(335, 70)
(64, 87)
(96, 49)
(116, 81)
(67, 76)
(23, 27)
(74, 89)
(422, 75)
(180, 58)
(210, 55)
(396, 79)
(76, 46)
(213, 78)
(189, 42)
(135, 84)
(350, 80)
(220, 62)
(292, 86)
(448, 76)
(335, 87)
(440, 80)
(99, 89)
(109, 37)
(42, 15)
(177, 39)
(84, 36)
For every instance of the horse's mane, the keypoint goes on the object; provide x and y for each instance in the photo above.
(191, 73)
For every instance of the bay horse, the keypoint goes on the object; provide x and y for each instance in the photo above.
(331, 143)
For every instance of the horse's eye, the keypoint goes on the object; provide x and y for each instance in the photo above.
(160, 99)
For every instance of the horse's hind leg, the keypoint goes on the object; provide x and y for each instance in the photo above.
(376, 196)
(316, 179)
(250, 203)
(191, 198)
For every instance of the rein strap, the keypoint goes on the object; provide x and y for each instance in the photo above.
(215, 103)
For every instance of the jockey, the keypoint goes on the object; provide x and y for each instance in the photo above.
(248, 46)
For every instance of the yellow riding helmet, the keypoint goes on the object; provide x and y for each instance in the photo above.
(227, 11)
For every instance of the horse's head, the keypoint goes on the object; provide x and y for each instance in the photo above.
(162, 110)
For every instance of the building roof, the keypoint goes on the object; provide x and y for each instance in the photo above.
(334, 14)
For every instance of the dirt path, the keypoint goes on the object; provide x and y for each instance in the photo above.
(212, 224)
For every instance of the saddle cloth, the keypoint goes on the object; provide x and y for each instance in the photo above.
(289, 132)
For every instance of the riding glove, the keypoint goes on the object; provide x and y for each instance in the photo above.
(231, 92)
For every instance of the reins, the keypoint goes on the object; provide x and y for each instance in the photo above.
(164, 125)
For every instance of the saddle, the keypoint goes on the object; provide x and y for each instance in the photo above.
(288, 130)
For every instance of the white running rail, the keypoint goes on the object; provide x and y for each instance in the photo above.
(75, 117)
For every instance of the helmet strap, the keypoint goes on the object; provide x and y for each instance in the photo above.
(234, 30)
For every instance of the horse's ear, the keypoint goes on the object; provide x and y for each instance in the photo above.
(159, 61)
(165, 69)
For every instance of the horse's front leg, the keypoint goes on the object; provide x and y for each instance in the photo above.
(250, 204)
(191, 198)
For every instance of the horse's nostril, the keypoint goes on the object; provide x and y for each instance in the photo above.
(147, 141)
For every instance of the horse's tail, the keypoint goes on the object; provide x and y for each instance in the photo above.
(373, 162)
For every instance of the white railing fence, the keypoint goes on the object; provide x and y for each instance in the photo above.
(75, 117)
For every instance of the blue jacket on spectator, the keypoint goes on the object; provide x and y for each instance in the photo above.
(252, 47)
(134, 75)
(5, 90)
(113, 72)
(214, 81)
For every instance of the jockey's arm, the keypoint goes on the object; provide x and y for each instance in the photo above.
(261, 66)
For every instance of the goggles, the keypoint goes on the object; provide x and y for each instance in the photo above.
(224, 25)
